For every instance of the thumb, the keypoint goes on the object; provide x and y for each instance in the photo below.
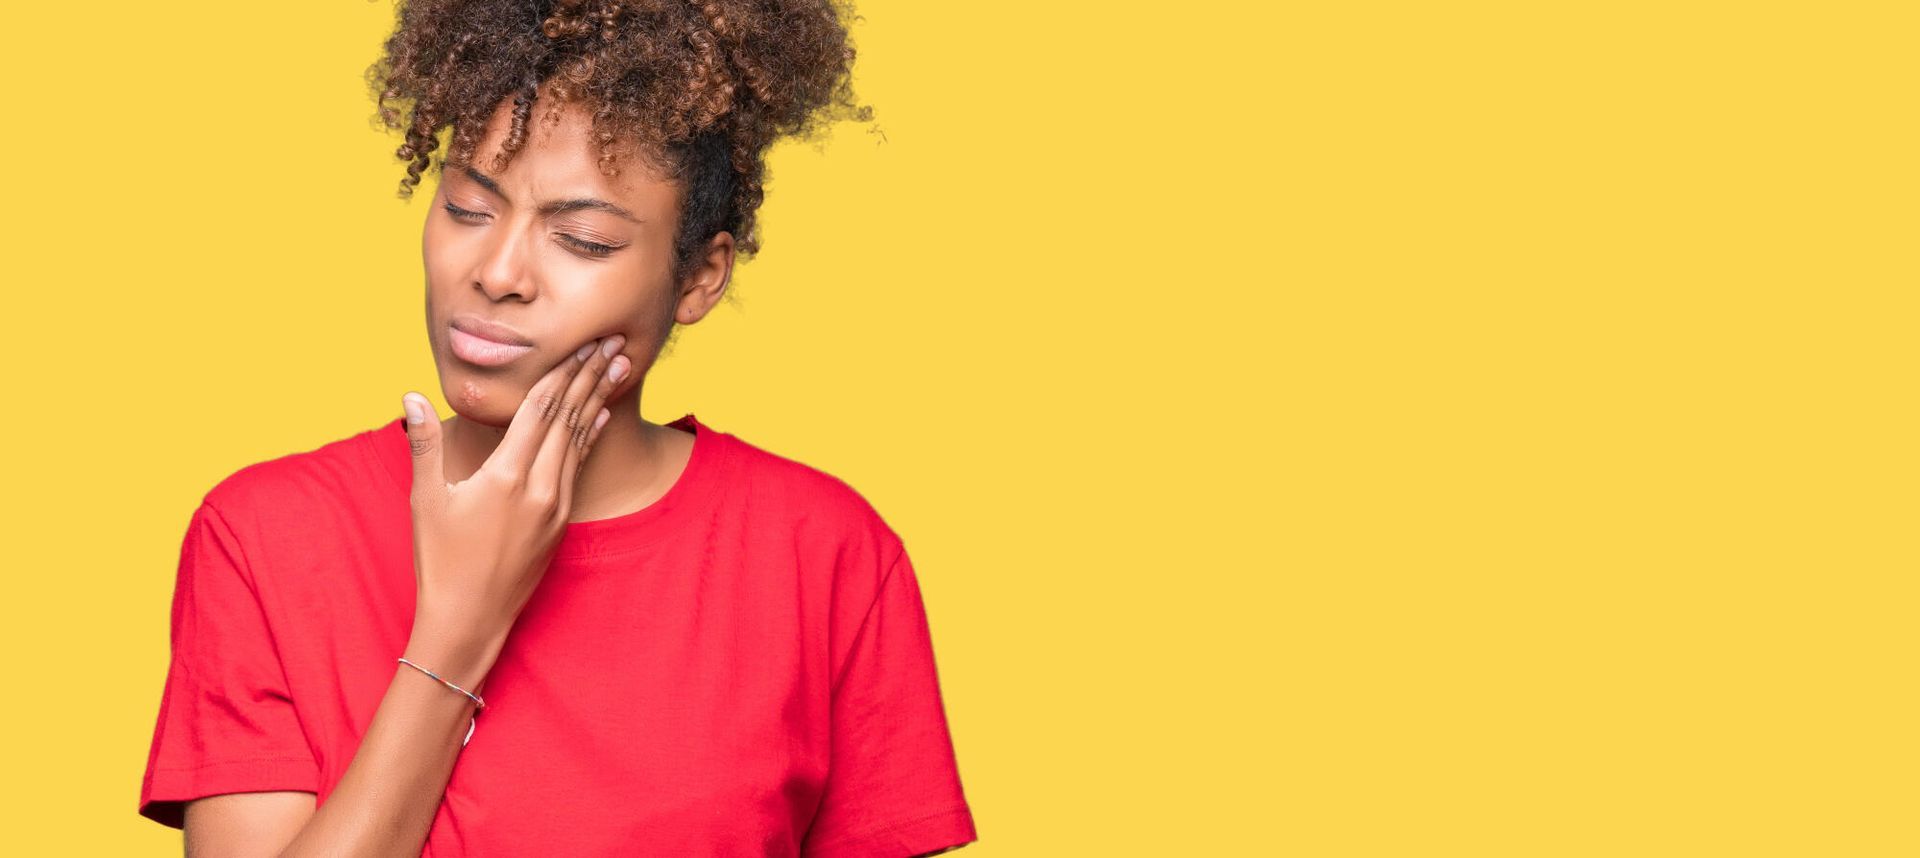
(423, 435)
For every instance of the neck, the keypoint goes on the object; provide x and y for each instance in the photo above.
(624, 470)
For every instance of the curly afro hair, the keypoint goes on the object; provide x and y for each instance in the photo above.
(697, 88)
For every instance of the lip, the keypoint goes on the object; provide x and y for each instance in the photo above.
(484, 343)
(489, 330)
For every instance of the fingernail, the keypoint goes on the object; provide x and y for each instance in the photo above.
(416, 413)
(618, 370)
(601, 419)
(583, 352)
(613, 345)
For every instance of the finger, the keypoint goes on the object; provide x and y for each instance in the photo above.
(572, 473)
(598, 424)
(577, 452)
(517, 448)
(576, 417)
(423, 435)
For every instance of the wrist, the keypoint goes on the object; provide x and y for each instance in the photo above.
(463, 655)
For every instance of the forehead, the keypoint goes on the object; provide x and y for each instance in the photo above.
(558, 158)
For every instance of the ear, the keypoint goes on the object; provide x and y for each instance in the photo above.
(707, 283)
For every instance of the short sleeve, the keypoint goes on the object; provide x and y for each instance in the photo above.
(226, 720)
(893, 789)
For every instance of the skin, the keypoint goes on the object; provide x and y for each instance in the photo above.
(507, 263)
(495, 484)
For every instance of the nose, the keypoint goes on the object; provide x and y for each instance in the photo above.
(503, 273)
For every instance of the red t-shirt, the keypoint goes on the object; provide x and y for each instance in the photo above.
(741, 668)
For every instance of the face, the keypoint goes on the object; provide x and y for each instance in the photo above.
(527, 264)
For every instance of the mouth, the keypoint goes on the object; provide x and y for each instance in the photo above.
(481, 348)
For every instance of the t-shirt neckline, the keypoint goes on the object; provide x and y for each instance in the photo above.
(598, 537)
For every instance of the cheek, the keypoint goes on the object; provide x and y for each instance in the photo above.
(447, 252)
(434, 261)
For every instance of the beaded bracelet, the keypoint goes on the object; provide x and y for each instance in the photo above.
(478, 704)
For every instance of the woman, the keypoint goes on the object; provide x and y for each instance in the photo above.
(545, 625)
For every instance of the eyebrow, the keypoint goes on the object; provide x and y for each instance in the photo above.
(557, 206)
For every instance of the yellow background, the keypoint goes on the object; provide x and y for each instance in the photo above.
(1321, 429)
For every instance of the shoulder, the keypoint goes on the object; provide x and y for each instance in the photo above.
(342, 470)
(819, 506)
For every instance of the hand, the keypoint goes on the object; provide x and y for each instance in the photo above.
(481, 546)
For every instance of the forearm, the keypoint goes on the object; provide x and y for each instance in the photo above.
(385, 802)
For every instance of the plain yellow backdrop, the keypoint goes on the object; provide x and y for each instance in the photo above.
(1327, 429)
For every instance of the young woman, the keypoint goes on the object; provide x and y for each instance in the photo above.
(545, 625)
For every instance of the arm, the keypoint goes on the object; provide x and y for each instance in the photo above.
(386, 800)
(244, 823)
(480, 549)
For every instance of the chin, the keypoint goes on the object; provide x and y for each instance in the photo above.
(479, 399)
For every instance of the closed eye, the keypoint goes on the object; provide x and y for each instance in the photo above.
(460, 213)
(590, 248)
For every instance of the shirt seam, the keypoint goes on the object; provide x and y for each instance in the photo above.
(890, 826)
(853, 649)
(246, 563)
(233, 762)
(266, 617)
